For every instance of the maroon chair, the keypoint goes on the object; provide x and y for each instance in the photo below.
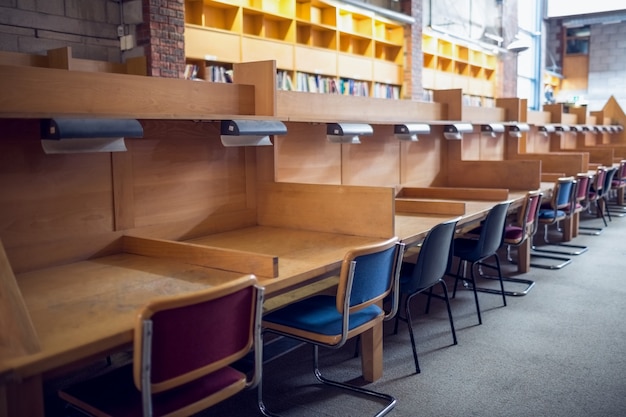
(595, 199)
(184, 346)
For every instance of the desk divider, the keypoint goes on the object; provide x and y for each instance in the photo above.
(351, 210)
(602, 156)
(453, 208)
(570, 163)
(17, 334)
(207, 256)
(514, 175)
(450, 193)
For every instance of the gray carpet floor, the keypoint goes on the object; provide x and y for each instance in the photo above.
(559, 351)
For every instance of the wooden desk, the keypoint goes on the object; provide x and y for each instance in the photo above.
(88, 308)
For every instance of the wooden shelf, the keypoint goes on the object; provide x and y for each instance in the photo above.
(449, 64)
(341, 41)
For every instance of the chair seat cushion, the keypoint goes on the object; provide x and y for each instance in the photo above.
(549, 214)
(513, 234)
(115, 393)
(466, 249)
(319, 314)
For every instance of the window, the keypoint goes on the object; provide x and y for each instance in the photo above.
(577, 40)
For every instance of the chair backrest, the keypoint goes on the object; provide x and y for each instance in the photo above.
(583, 183)
(435, 256)
(598, 184)
(530, 212)
(608, 179)
(563, 193)
(368, 275)
(181, 338)
(492, 230)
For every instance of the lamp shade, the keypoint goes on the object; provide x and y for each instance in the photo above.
(347, 132)
(250, 132)
(410, 131)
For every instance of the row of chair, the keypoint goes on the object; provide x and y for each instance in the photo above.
(178, 369)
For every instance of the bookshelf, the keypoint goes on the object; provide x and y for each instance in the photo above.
(324, 40)
(451, 64)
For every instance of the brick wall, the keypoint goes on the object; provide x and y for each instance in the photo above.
(413, 56)
(89, 27)
(607, 65)
(162, 36)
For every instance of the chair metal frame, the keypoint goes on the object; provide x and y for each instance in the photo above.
(433, 261)
(197, 365)
(595, 195)
(560, 205)
(347, 303)
(618, 189)
(527, 223)
(481, 249)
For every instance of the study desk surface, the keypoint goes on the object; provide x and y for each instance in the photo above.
(303, 255)
(89, 307)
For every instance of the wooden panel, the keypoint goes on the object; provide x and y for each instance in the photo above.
(304, 155)
(53, 208)
(453, 99)
(374, 162)
(20, 59)
(538, 117)
(253, 49)
(117, 95)
(569, 163)
(387, 72)
(475, 114)
(315, 61)
(297, 106)
(182, 171)
(355, 67)
(575, 72)
(430, 207)
(262, 75)
(569, 119)
(512, 175)
(421, 162)
(352, 210)
(450, 193)
(226, 259)
(224, 46)
(17, 333)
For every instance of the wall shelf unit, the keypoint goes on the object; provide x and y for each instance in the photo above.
(316, 37)
(452, 64)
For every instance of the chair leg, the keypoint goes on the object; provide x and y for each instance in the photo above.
(447, 300)
(480, 319)
(407, 315)
(390, 401)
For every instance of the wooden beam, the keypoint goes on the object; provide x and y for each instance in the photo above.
(211, 257)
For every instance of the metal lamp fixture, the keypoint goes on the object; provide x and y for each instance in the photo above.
(347, 132)
(560, 129)
(455, 131)
(410, 131)
(516, 130)
(491, 129)
(250, 132)
(61, 136)
(544, 130)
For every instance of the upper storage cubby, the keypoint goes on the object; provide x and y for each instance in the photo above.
(329, 38)
(449, 63)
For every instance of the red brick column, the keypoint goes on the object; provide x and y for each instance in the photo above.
(162, 36)
(414, 58)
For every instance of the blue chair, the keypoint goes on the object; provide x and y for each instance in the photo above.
(433, 261)
(476, 251)
(559, 208)
(368, 275)
(184, 346)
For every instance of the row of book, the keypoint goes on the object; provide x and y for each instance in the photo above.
(213, 73)
(313, 83)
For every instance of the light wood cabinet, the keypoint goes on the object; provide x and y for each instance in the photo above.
(321, 39)
(450, 64)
